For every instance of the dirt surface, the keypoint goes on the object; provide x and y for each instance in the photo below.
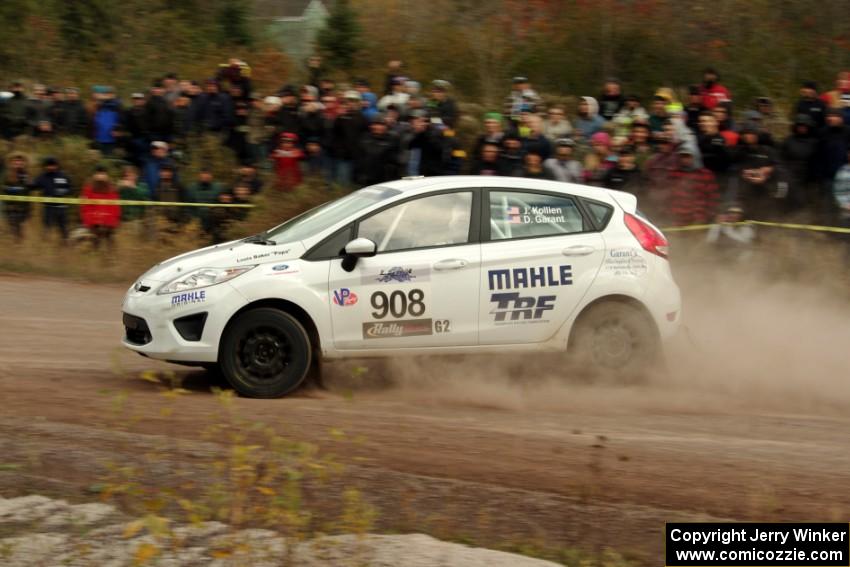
(750, 422)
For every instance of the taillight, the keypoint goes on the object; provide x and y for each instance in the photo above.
(649, 238)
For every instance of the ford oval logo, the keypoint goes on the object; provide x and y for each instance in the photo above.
(280, 267)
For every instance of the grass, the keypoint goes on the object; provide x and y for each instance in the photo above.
(138, 245)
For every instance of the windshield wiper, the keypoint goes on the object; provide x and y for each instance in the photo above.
(260, 239)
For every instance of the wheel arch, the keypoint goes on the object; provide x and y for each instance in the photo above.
(614, 298)
(293, 309)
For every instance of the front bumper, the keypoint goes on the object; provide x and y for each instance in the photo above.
(179, 327)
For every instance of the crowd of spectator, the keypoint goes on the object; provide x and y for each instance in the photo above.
(689, 158)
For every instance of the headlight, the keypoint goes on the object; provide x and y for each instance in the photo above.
(203, 277)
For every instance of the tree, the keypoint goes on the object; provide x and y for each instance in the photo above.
(339, 40)
(233, 23)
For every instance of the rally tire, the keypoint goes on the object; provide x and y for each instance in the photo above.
(265, 353)
(615, 340)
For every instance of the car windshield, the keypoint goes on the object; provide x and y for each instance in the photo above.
(325, 216)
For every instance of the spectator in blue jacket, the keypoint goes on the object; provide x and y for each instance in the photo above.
(107, 120)
(156, 161)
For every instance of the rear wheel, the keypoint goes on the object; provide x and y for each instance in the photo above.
(615, 339)
(265, 353)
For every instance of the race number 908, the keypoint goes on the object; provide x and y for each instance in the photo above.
(398, 304)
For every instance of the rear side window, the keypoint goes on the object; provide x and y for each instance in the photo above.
(516, 215)
(600, 212)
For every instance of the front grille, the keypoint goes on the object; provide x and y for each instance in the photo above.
(191, 327)
(136, 330)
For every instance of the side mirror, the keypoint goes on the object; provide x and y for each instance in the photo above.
(356, 249)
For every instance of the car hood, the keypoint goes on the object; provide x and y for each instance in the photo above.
(226, 255)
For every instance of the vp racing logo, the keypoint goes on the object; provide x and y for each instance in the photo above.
(344, 297)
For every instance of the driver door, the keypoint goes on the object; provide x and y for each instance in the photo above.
(421, 289)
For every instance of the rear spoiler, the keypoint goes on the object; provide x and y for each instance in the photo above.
(627, 201)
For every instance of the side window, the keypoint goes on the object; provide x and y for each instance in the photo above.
(525, 215)
(600, 211)
(332, 247)
(438, 220)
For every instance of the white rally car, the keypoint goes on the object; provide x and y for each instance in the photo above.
(437, 265)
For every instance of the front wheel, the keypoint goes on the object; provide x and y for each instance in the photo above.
(615, 339)
(265, 353)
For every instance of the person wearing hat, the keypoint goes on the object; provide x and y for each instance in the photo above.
(798, 154)
(107, 121)
(731, 239)
(75, 116)
(38, 112)
(563, 165)
(368, 99)
(100, 220)
(204, 190)
(134, 130)
(441, 106)
(287, 162)
(159, 118)
(587, 121)
(13, 113)
(53, 182)
(156, 160)
(694, 108)
(346, 132)
(512, 158)
(811, 105)
(213, 109)
(712, 91)
(493, 132)
(631, 113)
(692, 192)
(611, 100)
(378, 156)
(625, 176)
(16, 182)
(398, 96)
(171, 190)
(753, 182)
(521, 93)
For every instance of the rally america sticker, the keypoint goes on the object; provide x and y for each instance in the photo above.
(398, 329)
(397, 275)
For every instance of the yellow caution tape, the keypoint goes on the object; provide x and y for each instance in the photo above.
(812, 227)
(74, 201)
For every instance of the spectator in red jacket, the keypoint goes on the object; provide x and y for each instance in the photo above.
(711, 89)
(693, 193)
(287, 162)
(101, 220)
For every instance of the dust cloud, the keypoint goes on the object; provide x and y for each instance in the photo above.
(759, 335)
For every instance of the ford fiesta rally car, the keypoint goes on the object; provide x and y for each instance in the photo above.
(439, 265)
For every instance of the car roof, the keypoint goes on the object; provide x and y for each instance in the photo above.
(416, 185)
